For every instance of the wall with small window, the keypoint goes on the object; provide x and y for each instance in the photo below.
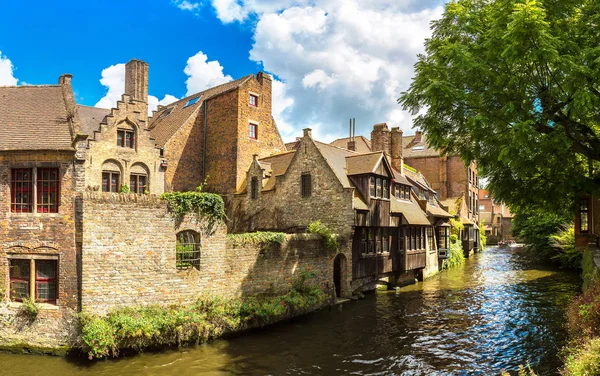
(157, 260)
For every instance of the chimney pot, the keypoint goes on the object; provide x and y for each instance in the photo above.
(65, 79)
(307, 132)
(352, 145)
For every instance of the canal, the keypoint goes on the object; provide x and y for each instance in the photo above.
(500, 310)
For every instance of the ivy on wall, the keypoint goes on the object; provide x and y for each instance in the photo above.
(206, 206)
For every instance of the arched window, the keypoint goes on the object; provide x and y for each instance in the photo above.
(187, 253)
(138, 179)
(111, 176)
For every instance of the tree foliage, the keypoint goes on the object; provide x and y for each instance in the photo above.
(513, 84)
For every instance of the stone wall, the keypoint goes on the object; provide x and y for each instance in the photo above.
(129, 257)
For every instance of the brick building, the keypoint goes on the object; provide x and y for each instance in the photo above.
(40, 174)
(210, 137)
(119, 149)
(495, 217)
(364, 197)
(454, 182)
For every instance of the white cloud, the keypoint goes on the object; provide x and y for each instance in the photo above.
(113, 78)
(203, 74)
(282, 105)
(7, 77)
(338, 58)
(187, 5)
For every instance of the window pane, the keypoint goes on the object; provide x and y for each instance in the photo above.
(120, 135)
(105, 180)
(372, 186)
(21, 189)
(45, 269)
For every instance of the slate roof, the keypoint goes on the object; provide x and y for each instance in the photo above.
(363, 163)
(164, 124)
(399, 178)
(275, 165)
(410, 210)
(418, 179)
(362, 144)
(336, 158)
(91, 117)
(34, 118)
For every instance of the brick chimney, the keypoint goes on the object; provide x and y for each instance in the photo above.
(266, 81)
(65, 83)
(417, 136)
(307, 132)
(396, 149)
(380, 138)
(136, 85)
(352, 145)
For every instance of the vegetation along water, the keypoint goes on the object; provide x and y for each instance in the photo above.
(498, 311)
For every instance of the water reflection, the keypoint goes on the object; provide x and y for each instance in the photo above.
(498, 311)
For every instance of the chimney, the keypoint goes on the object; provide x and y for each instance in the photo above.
(307, 132)
(65, 79)
(380, 138)
(67, 90)
(417, 136)
(396, 149)
(351, 145)
(266, 94)
(136, 85)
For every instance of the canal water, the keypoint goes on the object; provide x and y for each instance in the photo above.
(500, 310)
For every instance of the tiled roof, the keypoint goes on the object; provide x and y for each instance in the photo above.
(164, 124)
(436, 211)
(34, 118)
(91, 117)
(418, 179)
(399, 178)
(412, 149)
(336, 158)
(363, 163)
(361, 143)
(278, 165)
(410, 210)
(359, 204)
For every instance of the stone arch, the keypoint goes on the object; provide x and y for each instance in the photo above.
(139, 178)
(339, 275)
(111, 175)
(188, 249)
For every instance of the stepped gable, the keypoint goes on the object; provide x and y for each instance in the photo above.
(165, 122)
(35, 118)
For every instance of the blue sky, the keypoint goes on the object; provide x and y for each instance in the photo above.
(331, 63)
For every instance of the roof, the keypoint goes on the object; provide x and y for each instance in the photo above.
(359, 204)
(165, 123)
(410, 210)
(450, 203)
(336, 158)
(437, 211)
(289, 146)
(361, 143)
(277, 165)
(34, 118)
(363, 163)
(91, 117)
(418, 179)
(422, 148)
(399, 178)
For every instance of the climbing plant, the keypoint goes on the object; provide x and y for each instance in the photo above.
(206, 206)
(329, 238)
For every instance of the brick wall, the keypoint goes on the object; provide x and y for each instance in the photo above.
(129, 258)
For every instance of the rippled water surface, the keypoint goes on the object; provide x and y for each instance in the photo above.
(498, 311)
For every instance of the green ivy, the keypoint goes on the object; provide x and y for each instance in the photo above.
(207, 206)
(456, 255)
(329, 238)
(262, 238)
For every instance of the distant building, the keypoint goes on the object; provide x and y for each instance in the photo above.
(587, 222)
(495, 217)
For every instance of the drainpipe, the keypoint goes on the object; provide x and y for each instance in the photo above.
(204, 144)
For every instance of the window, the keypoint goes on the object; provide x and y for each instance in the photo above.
(42, 285)
(430, 238)
(397, 191)
(379, 242)
(418, 147)
(21, 190)
(481, 207)
(306, 184)
(583, 215)
(372, 190)
(188, 248)
(166, 113)
(125, 138)
(386, 189)
(110, 181)
(44, 194)
(431, 199)
(364, 241)
(253, 100)
(191, 102)
(443, 237)
(253, 131)
(385, 240)
(137, 183)
(254, 188)
(378, 187)
(406, 193)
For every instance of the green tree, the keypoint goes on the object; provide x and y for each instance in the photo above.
(513, 84)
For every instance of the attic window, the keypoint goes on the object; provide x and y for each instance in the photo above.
(191, 102)
(166, 113)
(418, 147)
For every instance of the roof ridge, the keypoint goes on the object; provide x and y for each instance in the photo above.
(246, 77)
(28, 86)
(338, 148)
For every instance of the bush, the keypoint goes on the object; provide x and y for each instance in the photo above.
(329, 238)
(158, 326)
(583, 313)
(584, 360)
(124, 189)
(589, 272)
(262, 238)
(30, 308)
(564, 244)
(207, 206)
(456, 255)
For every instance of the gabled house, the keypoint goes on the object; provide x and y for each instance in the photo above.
(361, 197)
(495, 217)
(209, 138)
(41, 173)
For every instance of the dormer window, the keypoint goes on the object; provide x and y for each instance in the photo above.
(191, 102)
(379, 187)
(125, 138)
(418, 147)
(253, 100)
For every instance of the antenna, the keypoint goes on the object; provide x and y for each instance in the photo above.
(353, 128)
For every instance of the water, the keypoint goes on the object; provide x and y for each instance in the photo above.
(498, 311)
